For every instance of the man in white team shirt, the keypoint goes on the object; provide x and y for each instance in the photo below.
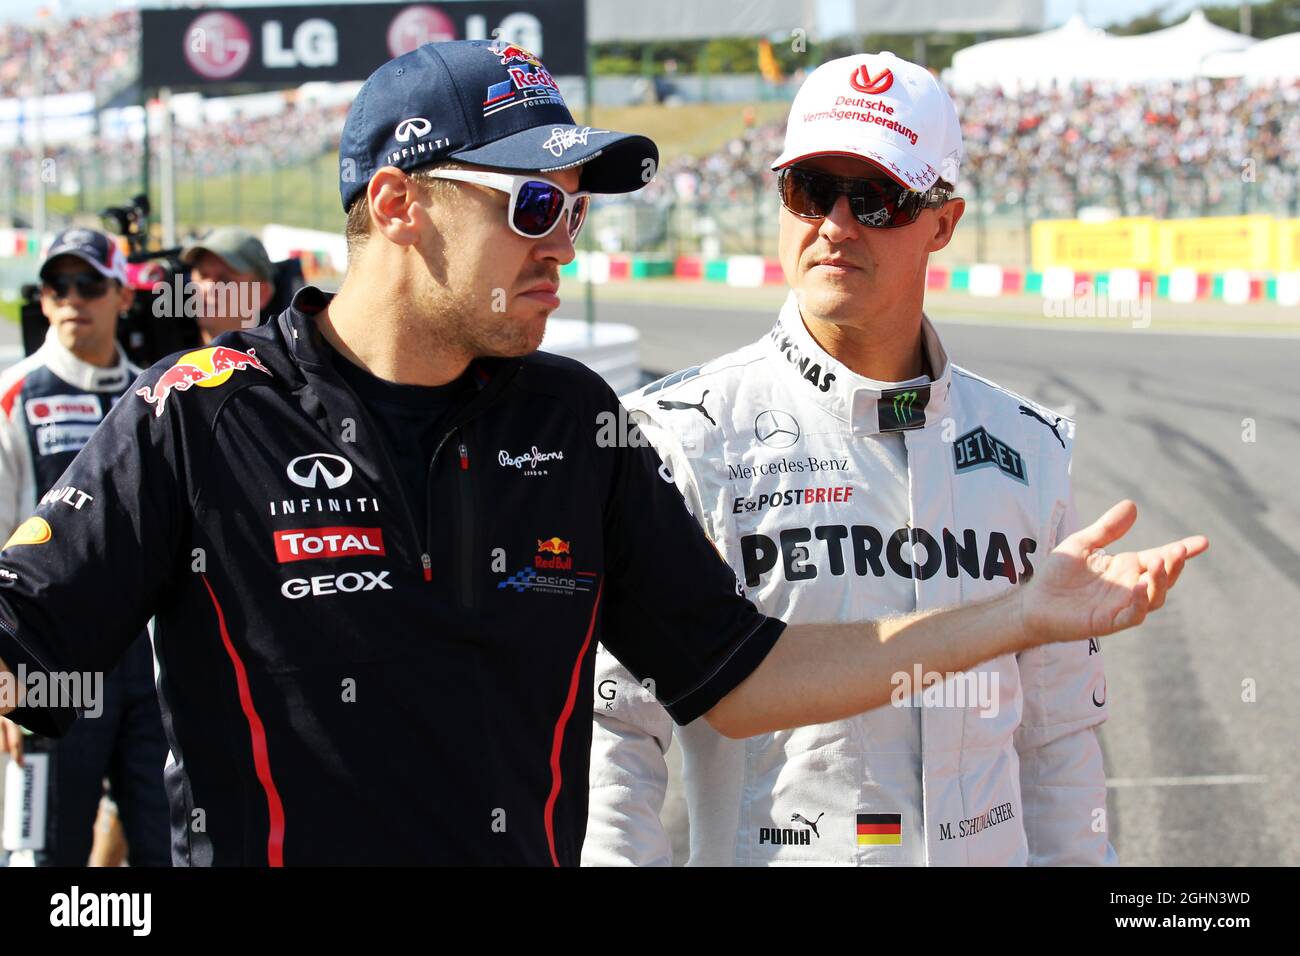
(848, 471)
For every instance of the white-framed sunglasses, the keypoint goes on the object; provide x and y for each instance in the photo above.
(536, 205)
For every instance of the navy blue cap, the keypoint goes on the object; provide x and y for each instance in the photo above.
(92, 246)
(485, 102)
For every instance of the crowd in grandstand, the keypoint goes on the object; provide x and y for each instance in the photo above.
(80, 53)
(1165, 149)
(1173, 147)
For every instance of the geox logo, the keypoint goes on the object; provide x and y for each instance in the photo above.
(788, 836)
(902, 409)
(979, 449)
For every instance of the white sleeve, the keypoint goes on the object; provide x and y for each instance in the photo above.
(1062, 779)
(630, 735)
(631, 730)
(17, 484)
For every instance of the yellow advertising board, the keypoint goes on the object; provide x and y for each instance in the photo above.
(1127, 243)
(1216, 244)
(1288, 245)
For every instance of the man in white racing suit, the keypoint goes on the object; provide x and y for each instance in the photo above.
(847, 471)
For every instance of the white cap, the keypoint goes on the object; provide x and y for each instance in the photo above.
(881, 108)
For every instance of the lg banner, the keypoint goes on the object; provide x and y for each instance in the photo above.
(291, 45)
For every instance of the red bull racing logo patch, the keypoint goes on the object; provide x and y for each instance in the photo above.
(206, 368)
(560, 552)
(528, 82)
(510, 53)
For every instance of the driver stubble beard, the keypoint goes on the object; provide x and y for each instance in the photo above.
(438, 319)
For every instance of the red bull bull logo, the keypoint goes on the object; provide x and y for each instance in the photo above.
(206, 368)
(510, 53)
(555, 547)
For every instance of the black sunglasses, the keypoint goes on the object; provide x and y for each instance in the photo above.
(89, 285)
(878, 203)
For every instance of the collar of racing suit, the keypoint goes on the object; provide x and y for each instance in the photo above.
(868, 406)
(326, 396)
(80, 374)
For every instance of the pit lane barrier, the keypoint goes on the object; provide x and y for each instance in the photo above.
(1232, 286)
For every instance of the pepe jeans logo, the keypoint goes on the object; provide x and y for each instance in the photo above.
(415, 126)
(979, 449)
(901, 409)
(529, 459)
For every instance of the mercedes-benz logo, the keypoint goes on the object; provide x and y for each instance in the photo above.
(776, 429)
(332, 470)
(416, 125)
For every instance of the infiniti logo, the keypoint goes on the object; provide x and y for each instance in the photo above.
(776, 429)
(308, 470)
(417, 125)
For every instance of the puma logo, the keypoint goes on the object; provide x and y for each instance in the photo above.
(670, 406)
(1025, 410)
(812, 824)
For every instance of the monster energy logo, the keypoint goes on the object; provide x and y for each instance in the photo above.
(903, 408)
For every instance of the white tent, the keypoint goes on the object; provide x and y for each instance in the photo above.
(1062, 55)
(1175, 53)
(1277, 58)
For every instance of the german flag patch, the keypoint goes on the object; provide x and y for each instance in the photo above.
(880, 829)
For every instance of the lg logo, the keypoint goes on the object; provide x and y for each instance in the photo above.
(415, 126)
(309, 471)
(776, 429)
(218, 45)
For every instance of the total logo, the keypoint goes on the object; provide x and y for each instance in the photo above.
(206, 368)
(302, 544)
(349, 582)
(320, 470)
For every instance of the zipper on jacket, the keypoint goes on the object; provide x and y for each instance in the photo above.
(464, 516)
(466, 529)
